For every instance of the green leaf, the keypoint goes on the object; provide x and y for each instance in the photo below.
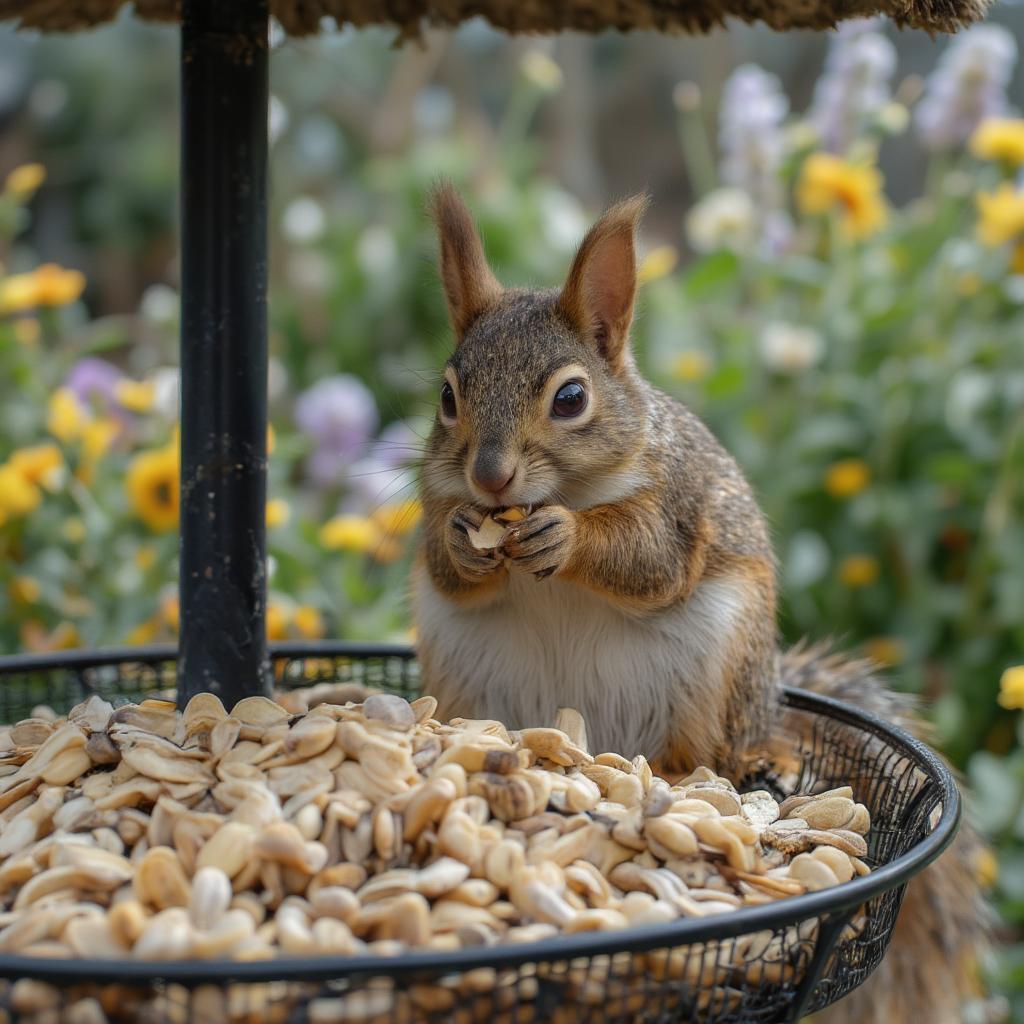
(710, 274)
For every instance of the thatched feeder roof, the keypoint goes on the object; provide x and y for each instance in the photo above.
(303, 17)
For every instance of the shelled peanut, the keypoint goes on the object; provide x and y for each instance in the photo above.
(372, 828)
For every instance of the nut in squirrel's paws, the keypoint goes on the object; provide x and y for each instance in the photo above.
(543, 543)
(491, 532)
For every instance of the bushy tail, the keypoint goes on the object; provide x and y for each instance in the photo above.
(930, 970)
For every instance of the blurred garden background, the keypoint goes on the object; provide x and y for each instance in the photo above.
(833, 277)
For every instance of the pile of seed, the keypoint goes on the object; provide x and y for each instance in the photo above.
(372, 828)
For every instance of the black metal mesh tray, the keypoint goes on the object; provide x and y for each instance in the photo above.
(776, 962)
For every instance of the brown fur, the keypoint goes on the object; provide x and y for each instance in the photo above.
(599, 292)
(469, 285)
(944, 925)
(640, 505)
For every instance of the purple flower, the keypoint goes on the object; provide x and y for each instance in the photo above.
(340, 416)
(398, 445)
(750, 133)
(93, 381)
(753, 146)
(387, 472)
(326, 468)
(855, 84)
(968, 85)
(372, 483)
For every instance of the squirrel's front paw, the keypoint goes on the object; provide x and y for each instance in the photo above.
(470, 562)
(543, 542)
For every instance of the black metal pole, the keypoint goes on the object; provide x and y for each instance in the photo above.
(223, 349)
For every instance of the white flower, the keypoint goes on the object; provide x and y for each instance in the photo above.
(894, 118)
(277, 379)
(303, 221)
(277, 119)
(686, 97)
(541, 70)
(165, 391)
(562, 220)
(377, 250)
(160, 304)
(723, 219)
(789, 348)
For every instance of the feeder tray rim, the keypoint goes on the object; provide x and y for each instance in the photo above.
(785, 912)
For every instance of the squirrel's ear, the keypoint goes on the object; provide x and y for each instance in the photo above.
(469, 285)
(599, 292)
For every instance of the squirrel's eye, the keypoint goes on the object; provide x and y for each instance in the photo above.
(448, 408)
(570, 400)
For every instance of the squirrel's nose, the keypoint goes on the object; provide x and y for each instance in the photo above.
(491, 474)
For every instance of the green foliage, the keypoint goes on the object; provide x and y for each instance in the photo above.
(872, 387)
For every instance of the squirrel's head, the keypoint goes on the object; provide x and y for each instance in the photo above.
(540, 400)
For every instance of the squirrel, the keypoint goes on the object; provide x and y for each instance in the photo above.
(640, 588)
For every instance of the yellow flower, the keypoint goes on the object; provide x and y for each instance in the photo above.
(56, 286)
(170, 613)
(350, 533)
(40, 464)
(884, 650)
(143, 633)
(1001, 214)
(278, 512)
(398, 519)
(659, 262)
(858, 571)
(18, 496)
(145, 557)
(135, 395)
(24, 180)
(73, 530)
(48, 285)
(271, 439)
(152, 484)
(538, 68)
(969, 284)
(62, 637)
(98, 436)
(1000, 138)
(1017, 259)
(24, 590)
(66, 417)
(986, 867)
(1011, 687)
(277, 621)
(26, 331)
(691, 366)
(18, 293)
(308, 622)
(829, 183)
(847, 477)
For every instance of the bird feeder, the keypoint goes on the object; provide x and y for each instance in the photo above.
(222, 647)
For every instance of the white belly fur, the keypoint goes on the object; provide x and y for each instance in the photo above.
(542, 645)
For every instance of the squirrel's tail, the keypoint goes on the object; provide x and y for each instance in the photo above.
(930, 970)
